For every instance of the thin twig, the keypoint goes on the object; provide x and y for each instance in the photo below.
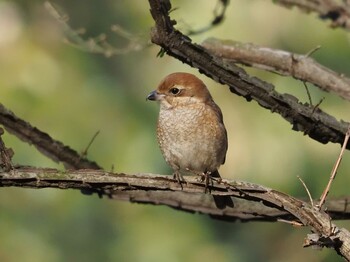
(317, 105)
(219, 15)
(335, 169)
(308, 54)
(308, 93)
(84, 153)
(307, 190)
(290, 222)
(99, 44)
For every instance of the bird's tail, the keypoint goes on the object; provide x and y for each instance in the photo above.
(215, 174)
(221, 202)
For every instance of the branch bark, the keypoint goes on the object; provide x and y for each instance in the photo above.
(301, 67)
(269, 204)
(163, 190)
(51, 148)
(337, 11)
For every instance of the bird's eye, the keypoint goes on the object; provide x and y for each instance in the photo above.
(175, 91)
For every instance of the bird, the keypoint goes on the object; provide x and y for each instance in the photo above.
(190, 131)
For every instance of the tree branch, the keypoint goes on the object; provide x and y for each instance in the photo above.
(269, 205)
(301, 67)
(337, 11)
(163, 190)
(51, 148)
(317, 124)
(99, 44)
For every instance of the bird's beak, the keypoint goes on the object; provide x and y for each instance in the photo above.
(153, 96)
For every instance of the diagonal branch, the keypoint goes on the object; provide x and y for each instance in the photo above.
(51, 148)
(301, 67)
(317, 124)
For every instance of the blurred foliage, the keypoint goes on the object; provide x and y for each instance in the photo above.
(71, 94)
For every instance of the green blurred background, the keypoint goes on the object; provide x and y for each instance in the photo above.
(71, 94)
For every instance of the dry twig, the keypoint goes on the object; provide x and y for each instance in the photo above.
(307, 191)
(100, 43)
(219, 15)
(85, 151)
(334, 170)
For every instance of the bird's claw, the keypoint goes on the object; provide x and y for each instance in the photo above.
(206, 178)
(179, 178)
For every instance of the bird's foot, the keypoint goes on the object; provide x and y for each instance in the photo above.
(179, 178)
(206, 178)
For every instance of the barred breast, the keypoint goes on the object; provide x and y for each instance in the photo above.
(192, 138)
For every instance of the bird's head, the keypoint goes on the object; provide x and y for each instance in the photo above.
(179, 89)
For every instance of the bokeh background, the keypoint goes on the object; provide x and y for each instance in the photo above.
(72, 93)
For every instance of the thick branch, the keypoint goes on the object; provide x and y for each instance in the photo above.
(337, 11)
(315, 123)
(143, 188)
(162, 190)
(301, 67)
(156, 189)
(51, 148)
